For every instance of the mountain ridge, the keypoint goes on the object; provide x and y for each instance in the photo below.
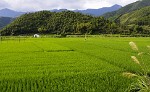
(126, 9)
(135, 17)
(95, 12)
(10, 13)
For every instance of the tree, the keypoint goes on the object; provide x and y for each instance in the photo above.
(42, 30)
(84, 28)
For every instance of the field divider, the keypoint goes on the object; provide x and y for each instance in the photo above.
(43, 50)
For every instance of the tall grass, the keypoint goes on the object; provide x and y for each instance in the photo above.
(142, 83)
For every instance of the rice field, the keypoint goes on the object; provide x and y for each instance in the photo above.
(68, 64)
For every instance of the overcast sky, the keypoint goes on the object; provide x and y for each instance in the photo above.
(34, 5)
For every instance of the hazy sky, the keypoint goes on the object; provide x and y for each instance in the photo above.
(33, 5)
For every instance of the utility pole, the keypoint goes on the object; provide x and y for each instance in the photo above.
(0, 38)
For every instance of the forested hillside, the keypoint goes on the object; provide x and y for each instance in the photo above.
(65, 22)
(138, 17)
(128, 8)
(137, 21)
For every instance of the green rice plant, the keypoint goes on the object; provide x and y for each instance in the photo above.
(66, 64)
(142, 83)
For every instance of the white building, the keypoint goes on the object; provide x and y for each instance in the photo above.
(36, 36)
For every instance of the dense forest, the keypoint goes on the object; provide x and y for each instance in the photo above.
(66, 22)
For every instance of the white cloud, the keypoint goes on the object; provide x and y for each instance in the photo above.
(3, 4)
(32, 5)
(121, 2)
(94, 4)
(106, 3)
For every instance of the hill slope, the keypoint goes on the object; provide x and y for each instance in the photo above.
(128, 8)
(139, 17)
(137, 21)
(65, 22)
(5, 21)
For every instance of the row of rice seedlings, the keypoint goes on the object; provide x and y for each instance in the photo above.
(62, 63)
(105, 82)
(105, 55)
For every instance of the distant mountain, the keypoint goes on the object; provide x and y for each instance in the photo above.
(58, 10)
(10, 13)
(100, 11)
(5, 21)
(128, 8)
(94, 12)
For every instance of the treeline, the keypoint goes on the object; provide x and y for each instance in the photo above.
(66, 22)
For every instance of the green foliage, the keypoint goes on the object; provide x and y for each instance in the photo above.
(143, 79)
(65, 22)
(42, 30)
